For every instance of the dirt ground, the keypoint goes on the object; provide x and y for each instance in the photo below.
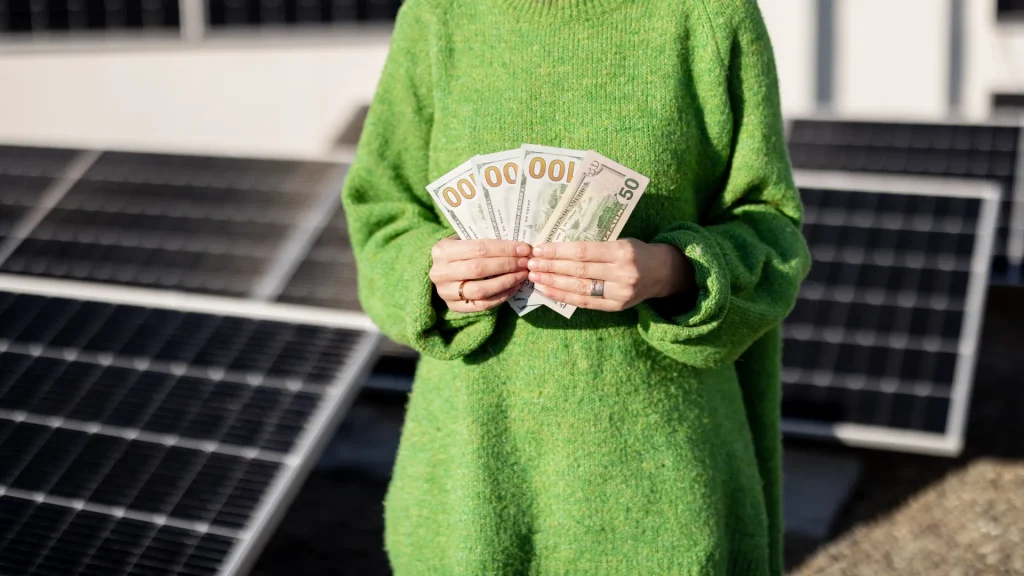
(911, 515)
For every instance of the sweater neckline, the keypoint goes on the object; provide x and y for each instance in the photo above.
(557, 10)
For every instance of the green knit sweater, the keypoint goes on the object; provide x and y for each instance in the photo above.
(644, 442)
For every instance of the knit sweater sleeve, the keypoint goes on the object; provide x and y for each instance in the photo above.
(748, 252)
(392, 224)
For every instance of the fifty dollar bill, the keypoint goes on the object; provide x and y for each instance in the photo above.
(593, 209)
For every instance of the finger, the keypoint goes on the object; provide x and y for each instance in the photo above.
(477, 268)
(581, 286)
(481, 289)
(484, 304)
(483, 248)
(578, 251)
(579, 300)
(587, 270)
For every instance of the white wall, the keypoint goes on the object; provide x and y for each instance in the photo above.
(291, 97)
(791, 24)
(266, 100)
(892, 58)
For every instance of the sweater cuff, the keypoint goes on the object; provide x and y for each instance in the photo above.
(675, 324)
(437, 331)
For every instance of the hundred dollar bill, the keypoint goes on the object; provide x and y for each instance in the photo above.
(498, 176)
(544, 175)
(594, 209)
(458, 196)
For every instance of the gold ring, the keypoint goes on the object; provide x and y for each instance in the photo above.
(461, 286)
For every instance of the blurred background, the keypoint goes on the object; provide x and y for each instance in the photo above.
(187, 385)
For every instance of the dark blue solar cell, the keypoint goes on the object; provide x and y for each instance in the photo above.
(50, 460)
(15, 318)
(18, 447)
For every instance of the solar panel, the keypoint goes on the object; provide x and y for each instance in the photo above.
(146, 432)
(25, 16)
(880, 348)
(327, 277)
(989, 152)
(248, 13)
(214, 225)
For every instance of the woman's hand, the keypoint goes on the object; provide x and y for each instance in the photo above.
(632, 272)
(492, 271)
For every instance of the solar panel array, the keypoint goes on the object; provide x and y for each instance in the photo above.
(249, 13)
(884, 332)
(144, 439)
(151, 432)
(327, 277)
(28, 16)
(985, 152)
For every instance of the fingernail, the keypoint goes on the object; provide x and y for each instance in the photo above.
(539, 250)
(522, 250)
(533, 263)
(522, 262)
(534, 276)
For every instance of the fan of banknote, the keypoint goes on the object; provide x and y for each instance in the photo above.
(537, 194)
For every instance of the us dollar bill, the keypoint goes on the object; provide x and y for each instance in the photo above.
(595, 208)
(498, 178)
(458, 195)
(544, 175)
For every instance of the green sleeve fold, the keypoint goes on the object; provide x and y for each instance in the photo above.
(391, 220)
(748, 252)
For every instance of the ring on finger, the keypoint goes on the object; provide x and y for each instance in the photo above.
(597, 288)
(461, 295)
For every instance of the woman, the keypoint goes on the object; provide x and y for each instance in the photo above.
(641, 436)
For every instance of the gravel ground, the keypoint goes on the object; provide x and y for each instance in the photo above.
(911, 515)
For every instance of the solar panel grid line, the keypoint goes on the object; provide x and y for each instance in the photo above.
(168, 440)
(302, 239)
(316, 435)
(819, 292)
(185, 302)
(168, 368)
(920, 336)
(867, 337)
(118, 512)
(50, 198)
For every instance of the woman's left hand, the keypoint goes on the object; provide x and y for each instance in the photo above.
(632, 272)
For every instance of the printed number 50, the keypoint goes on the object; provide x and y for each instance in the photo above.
(627, 190)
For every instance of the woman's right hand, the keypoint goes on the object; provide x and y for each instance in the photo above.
(492, 269)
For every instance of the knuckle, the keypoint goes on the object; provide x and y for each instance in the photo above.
(437, 251)
(581, 269)
(510, 265)
(627, 252)
(480, 248)
(581, 286)
(476, 268)
(579, 251)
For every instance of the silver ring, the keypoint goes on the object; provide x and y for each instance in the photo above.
(597, 288)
